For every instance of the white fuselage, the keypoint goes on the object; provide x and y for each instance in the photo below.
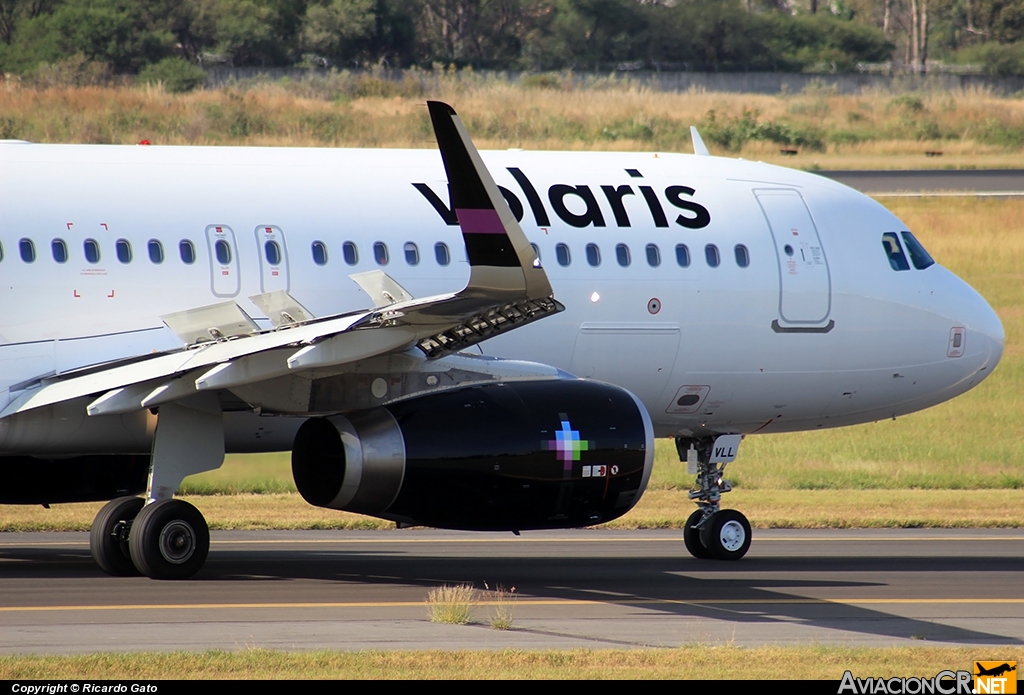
(826, 333)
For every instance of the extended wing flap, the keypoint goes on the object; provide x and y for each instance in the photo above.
(213, 322)
(382, 288)
(281, 308)
(166, 366)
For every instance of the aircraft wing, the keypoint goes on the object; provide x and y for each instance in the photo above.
(507, 288)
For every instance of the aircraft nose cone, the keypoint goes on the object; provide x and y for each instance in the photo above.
(984, 327)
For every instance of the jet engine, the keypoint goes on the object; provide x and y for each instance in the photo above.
(511, 456)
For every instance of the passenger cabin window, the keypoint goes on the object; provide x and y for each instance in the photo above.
(593, 255)
(156, 251)
(441, 254)
(272, 250)
(711, 255)
(349, 252)
(320, 253)
(92, 250)
(380, 252)
(653, 256)
(1, 251)
(742, 256)
(918, 256)
(683, 255)
(60, 250)
(412, 253)
(187, 252)
(536, 255)
(622, 255)
(27, 250)
(894, 252)
(124, 250)
(223, 252)
(562, 255)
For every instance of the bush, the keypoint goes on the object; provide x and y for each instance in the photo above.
(541, 81)
(175, 74)
(907, 103)
(995, 59)
(73, 71)
(732, 133)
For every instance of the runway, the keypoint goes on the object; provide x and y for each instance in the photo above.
(994, 183)
(586, 588)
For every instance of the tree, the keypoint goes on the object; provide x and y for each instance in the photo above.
(589, 34)
(340, 28)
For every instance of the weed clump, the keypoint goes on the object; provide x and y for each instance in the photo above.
(452, 604)
(503, 601)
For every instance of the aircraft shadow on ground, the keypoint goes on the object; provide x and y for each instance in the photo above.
(748, 592)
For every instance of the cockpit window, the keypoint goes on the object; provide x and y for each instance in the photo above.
(918, 256)
(894, 251)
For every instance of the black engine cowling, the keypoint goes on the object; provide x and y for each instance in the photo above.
(499, 457)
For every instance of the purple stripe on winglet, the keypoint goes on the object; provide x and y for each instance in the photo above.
(480, 221)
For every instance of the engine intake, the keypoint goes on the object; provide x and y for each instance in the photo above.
(512, 456)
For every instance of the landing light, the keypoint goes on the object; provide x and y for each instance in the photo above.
(594, 297)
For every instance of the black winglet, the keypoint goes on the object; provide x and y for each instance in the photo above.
(492, 235)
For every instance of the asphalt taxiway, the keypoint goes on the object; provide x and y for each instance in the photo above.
(585, 588)
(997, 183)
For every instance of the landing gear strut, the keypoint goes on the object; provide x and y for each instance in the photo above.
(712, 532)
(161, 537)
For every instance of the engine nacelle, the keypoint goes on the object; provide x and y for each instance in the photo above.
(513, 456)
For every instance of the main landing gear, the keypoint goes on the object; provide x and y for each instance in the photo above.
(712, 532)
(161, 537)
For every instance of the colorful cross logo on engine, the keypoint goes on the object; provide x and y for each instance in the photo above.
(567, 443)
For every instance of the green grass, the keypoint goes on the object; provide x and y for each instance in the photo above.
(256, 474)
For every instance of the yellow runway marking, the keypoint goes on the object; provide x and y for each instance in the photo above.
(519, 602)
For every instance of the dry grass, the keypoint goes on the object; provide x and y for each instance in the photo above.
(452, 604)
(689, 661)
(842, 509)
(972, 128)
(766, 508)
(503, 602)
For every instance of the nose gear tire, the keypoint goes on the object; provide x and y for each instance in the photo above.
(691, 537)
(726, 535)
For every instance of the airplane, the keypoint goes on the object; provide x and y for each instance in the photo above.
(995, 670)
(166, 305)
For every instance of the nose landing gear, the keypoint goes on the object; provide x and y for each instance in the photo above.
(711, 532)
